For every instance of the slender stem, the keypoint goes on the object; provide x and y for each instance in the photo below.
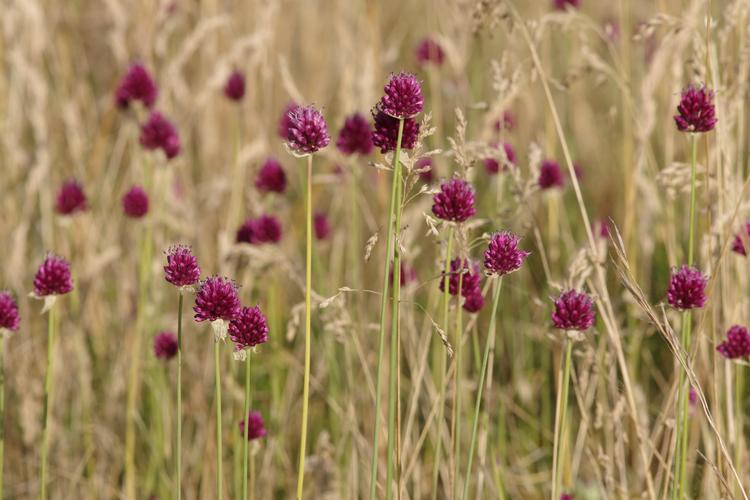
(246, 429)
(306, 381)
(395, 330)
(443, 367)
(219, 454)
(2, 407)
(48, 387)
(178, 463)
(682, 420)
(480, 390)
(457, 390)
(383, 310)
(561, 422)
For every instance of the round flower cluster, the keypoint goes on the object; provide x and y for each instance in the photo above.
(53, 277)
(70, 199)
(573, 311)
(271, 177)
(737, 344)
(307, 131)
(136, 85)
(159, 133)
(455, 201)
(696, 111)
(687, 288)
(182, 266)
(135, 202)
(355, 137)
(263, 229)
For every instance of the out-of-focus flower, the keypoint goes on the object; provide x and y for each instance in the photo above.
(267, 229)
(402, 96)
(573, 311)
(506, 122)
(182, 266)
(355, 137)
(493, 166)
(9, 317)
(426, 174)
(687, 288)
(696, 112)
(321, 226)
(737, 245)
(465, 273)
(550, 175)
(136, 85)
(256, 428)
(474, 302)
(564, 4)
(271, 177)
(234, 88)
(71, 198)
(429, 51)
(159, 133)
(135, 203)
(737, 344)
(165, 345)
(53, 277)
(455, 201)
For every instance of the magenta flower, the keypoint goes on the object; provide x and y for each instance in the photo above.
(217, 299)
(603, 229)
(321, 226)
(474, 302)
(234, 89)
(53, 277)
(550, 175)
(566, 496)
(256, 427)
(737, 245)
(573, 311)
(385, 135)
(470, 282)
(687, 288)
(160, 133)
(165, 345)
(355, 137)
(429, 52)
(426, 174)
(135, 202)
(285, 121)
(182, 266)
(308, 132)
(9, 317)
(696, 112)
(403, 96)
(136, 85)
(507, 122)
(737, 344)
(455, 201)
(493, 166)
(271, 177)
(248, 329)
(70, 198)
(564, 4)
(246, 232)
(266, 229)
(503, 255)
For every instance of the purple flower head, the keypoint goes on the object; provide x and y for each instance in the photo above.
(687, 288)
(285, 121)
(429, 52)
(696, 111)
(308, 132)
(425, 176)
(507, 122)
(267, 229)
(564, 4)
(271, 177)
(604, 229)
(385, 135)
(9, 317)
(402, 96)
(53, 277)
(355, 137)
(455, 201)
(503, 255)
(136, 85)
(182, 266)
(493, 166)
(737, 344)
(550, 175)
(407, 275)
(566, 496)
(256, 427)
(474, 302)
(573, 311)
(217, 299)
(738, 246)
(159, 133)
(321, 225)
(71, 198)
(469, 282)
(165, 345)
(246, 232)
(249, 328)
(234, 89)
(135, 202)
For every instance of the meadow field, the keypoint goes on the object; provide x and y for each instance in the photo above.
(359, 249)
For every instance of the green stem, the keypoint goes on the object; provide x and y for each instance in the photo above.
(443, 367)
(247, 427)
(48, 387)
(219, 457)
(306, 381)
(457, 390)
(489, 347)
(395, 330)
(561, 422)
(383, 310)
(178, 462)
(2, 407)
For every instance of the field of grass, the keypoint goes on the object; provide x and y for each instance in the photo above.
(609, 137)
